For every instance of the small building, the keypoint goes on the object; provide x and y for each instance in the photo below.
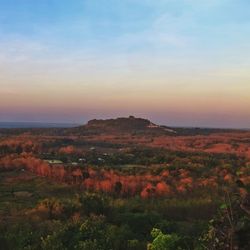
(82, 159)
(54, 161)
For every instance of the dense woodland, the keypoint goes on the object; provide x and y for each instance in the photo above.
(124, 184)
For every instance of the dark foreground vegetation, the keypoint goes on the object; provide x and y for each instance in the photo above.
(118, 189)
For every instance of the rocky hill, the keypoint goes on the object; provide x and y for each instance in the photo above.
(129, 124)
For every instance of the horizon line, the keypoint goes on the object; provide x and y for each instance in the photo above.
(75, 124)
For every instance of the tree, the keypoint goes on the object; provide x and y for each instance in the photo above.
(163, 241)
(53, 207)
(94, 204)
(230, 229)
(118, 187)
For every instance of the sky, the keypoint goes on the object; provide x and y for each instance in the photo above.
(176, 62)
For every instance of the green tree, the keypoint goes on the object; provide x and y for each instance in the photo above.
(94, 204)
(163, 241)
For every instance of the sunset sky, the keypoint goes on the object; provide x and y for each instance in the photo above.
(176, 62)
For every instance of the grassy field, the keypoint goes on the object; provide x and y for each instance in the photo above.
(21, 190)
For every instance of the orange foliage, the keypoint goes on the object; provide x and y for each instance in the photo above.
(89, 184)
(165, 173)
(181, 188)
(162, 189)
(148, 191)
(67, 150)
(106, 186)
(188, 181)
(228, 178)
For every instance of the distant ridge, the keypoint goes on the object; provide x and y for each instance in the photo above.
(35, 125)
(128, 125)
